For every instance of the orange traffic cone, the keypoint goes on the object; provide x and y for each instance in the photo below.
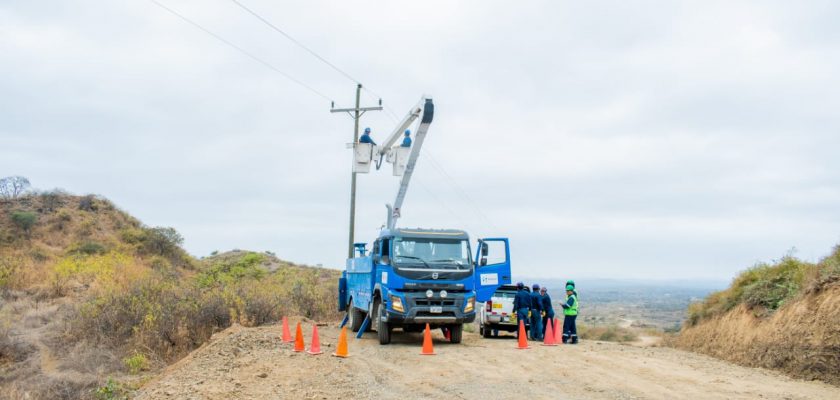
(558, 332)
(549, 335)
(428, 350)
(523, 339)
(287, 336)
(341, 349)
(315, 347)
(299, 345)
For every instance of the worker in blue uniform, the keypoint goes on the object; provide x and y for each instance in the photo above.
(521, 304)
(570, 312)
(366, 137)
(548, 309)
(407, 139)
(536, 313)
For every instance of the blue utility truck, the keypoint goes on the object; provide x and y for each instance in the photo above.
(411, 277)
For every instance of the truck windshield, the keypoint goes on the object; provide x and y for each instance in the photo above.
(432, 253)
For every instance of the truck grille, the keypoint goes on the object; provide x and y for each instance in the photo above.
(434, 302)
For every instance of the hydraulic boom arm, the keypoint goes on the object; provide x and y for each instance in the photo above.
(427, 109)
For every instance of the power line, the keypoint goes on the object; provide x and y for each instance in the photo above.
(295, 41)
(241, 50)
(374, 95)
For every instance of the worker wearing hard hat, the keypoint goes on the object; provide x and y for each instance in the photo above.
(407, 139)
(536, 313)
(548, 309)
(570, 312)
(521, 304)
(572, 283)
(366, 137)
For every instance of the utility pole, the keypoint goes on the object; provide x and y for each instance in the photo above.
(355, 113)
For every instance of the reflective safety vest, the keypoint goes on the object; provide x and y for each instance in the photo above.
(573, 310)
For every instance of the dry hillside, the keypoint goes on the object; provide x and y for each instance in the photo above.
(93, 302)
(784, 316)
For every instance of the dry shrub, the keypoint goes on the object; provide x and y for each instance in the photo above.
(169, 317)
(12, 349)
(42, 387)
(610, 333)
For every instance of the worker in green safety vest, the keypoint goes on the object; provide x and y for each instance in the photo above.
(570, 312)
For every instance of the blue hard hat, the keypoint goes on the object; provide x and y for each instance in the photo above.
(407, 132)
(535, 287)
(367, 130)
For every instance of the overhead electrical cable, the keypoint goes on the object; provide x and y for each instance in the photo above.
(241, 50)
(315, 54)
(295, 41)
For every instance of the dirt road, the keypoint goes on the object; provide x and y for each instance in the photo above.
(251, 363)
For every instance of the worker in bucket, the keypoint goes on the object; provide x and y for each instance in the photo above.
(366, 137)
(548, 309)
(536, 313)
(407, 139)
(570, 312)
(521, 304)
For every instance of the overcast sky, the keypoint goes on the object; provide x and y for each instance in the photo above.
(606, 139)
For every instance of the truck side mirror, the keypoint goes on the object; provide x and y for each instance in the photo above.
(484, 249)
(483, 261)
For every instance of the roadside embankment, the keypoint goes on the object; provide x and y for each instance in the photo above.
(784, 316)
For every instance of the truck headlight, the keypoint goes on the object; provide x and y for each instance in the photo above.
(470, 306)
(396, 304)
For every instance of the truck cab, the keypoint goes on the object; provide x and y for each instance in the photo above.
(414, 277)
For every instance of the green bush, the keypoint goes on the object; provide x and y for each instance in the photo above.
(136, 363)
(226, 272)
(111, 390)
(87, 248)
(24, 220)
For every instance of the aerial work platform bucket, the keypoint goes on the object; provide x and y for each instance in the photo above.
(398, 156)
(362, 156)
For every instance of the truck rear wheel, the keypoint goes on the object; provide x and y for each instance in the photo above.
(382, 326)
(486, 332)
(355, 316)
(456, 331)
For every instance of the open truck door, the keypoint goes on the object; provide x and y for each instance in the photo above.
(492, 267)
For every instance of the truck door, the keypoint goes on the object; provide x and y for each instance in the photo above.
(492, 267)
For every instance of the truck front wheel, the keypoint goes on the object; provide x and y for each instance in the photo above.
(382, 326)
(455, 333)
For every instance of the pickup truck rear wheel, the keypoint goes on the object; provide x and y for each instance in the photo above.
(382, 327)
(355, 316)
(455, 333)
(486, 332)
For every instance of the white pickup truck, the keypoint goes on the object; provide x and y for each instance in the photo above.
(497, 313)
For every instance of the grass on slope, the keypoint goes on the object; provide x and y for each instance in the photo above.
(765, 288)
